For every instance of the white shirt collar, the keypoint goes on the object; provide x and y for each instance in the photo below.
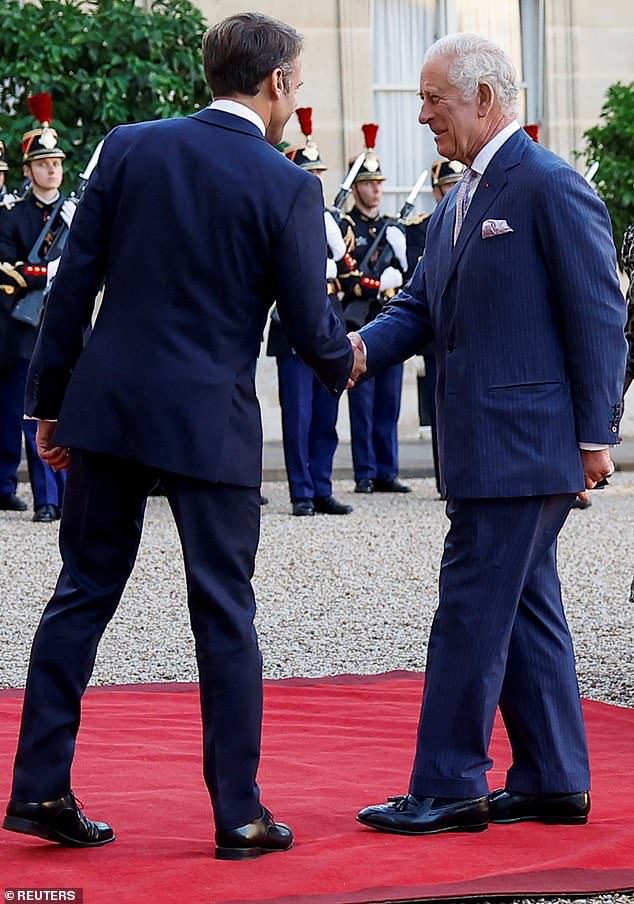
(238, 109)
(484, 157)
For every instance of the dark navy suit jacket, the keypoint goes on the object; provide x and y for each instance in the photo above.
(528, 328)
(191, 269)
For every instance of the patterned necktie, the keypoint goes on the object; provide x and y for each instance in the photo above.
(462, 201)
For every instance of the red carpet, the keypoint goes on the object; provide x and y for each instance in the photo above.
(331, 746)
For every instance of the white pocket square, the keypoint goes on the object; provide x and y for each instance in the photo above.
(495, 227)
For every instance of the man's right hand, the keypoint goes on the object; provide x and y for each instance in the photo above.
(58, 457)
(359, 366)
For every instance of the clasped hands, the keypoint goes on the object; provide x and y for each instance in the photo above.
(359, 365)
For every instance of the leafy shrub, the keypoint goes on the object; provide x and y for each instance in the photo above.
(104, 62)
(612, 144)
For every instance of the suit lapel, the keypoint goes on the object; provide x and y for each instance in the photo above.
(491, 184)
(445, 237)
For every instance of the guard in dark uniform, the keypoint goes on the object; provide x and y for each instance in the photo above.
(374, 404)
(20, 228)
(309, 412)
(4, 168)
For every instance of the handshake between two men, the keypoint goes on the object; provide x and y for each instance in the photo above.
(359, 365)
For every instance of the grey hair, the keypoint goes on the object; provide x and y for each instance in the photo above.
(474, 59)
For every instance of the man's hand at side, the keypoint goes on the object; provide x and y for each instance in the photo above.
(359, 366)
(596, 467)
(58, 457)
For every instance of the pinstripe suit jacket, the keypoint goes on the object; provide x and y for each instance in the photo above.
(528, 328)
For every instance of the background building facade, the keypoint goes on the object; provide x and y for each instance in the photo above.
(362, 63)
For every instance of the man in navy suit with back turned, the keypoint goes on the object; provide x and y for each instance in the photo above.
(518, 289)
(164, 389)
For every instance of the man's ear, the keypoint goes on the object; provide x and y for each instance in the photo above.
(486, 98)
(26, 171)
(277, 82)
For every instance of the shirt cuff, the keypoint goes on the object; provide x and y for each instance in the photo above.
(593, 447)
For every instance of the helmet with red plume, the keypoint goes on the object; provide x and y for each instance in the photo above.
(38, 144)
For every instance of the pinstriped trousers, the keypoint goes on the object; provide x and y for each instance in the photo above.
(500, 637)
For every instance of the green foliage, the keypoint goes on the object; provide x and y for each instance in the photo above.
(612, 144)
(104, 62)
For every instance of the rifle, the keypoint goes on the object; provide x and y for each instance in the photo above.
(591, 172)
(379, 253)
(346, 186)
(41, 252)
(48, 246)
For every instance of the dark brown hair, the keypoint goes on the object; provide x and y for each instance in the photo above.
(240, 51)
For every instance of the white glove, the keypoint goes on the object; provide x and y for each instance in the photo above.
(391, 278)
(331, 268)
(51, 270)
(68, 211)
(333, 236)
(398, 243)
(8, 200)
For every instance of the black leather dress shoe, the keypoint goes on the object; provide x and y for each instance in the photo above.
(580, 504)
(46, 512)
(262, 836)
(304, 507)
(57, 820)
(264, 500)
(328, 505)
(364, 486)
(411, 815)
(12, 503)
(390, 486)
(555, 809)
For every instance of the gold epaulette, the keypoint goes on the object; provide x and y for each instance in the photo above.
(9, 270)
(8, 201)
(419, 218)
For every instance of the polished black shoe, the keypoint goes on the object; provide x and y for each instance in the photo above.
(46, 512)
(411, 815)
(364, 486)
(304, 507)
(57, 820)
(328, 505)
(264, 500)
(390, 486)
(262, 836)
(554, 809)
(12, 503)
(580, 504)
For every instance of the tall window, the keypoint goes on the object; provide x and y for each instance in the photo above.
(402, 31)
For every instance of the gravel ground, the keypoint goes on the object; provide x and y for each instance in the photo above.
(336, 594)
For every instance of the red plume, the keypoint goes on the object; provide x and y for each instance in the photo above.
(369, 131)
(533, 131)
(305, 116)
(41, 106)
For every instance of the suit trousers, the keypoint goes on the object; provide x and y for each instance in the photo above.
(12, 383)
(47, 486)
(100, 532)
(374, 410)
(309, 418)
(499, 636)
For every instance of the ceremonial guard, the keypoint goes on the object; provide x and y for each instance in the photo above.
(6, 198)
(381, 252)
(28, 262)
(309, 412)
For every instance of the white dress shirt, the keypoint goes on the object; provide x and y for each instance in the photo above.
(238, 109)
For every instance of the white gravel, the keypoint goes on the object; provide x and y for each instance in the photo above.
(342, 594)
(336, 594)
